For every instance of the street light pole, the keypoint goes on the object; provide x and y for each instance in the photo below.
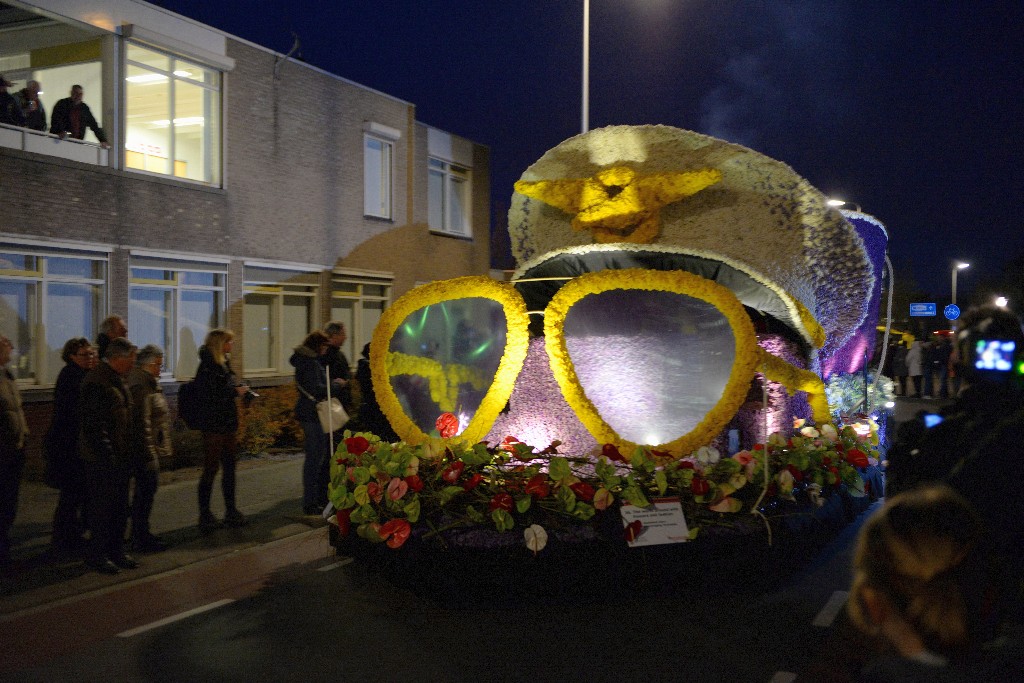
(957, 267)
(585, 108)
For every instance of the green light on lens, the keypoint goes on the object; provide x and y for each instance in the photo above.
(1020, 368)
(480, 349)
(423, 318)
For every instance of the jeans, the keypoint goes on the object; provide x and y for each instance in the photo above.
(107, 482)
(316, 466)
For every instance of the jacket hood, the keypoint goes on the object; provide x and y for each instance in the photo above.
(301, 354)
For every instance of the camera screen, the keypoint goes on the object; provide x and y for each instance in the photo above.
(994, 354)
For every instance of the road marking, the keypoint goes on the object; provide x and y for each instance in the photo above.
(177, 617)
(783, 677)
(831, 609)
(342, 563)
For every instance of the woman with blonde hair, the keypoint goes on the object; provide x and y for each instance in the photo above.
(924, 584)
(219, 390)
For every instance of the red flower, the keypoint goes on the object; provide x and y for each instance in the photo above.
(471, 483)
(375, 491)
(611, 451)
(826, 460)
(356, 445)
(395, 532)
(758, 446)
(660, 454)
(508, 443)
(700, 486)
(633, 530)
(583, 490)
(857, 458)
(501, 501)
(414, 482)
(795, 471)
(685, 465)
(452, 473)
(447, 425)
(538, 486)
(343, 521)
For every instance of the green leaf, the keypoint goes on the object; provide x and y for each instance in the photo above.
(523, 503)
(478, 455)
(566, 497)
(367, 532)
(474, 514)
(559, 469)
(412, 510)
(583, 511)
(662, 482)
(364, 513)
(502, 519)
(634, 496)
(361, 495)
(361, 475)
(449, 492)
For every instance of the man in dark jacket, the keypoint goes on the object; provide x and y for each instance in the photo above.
(71, 116)
(30, 106)
(112, 327)
(106, 409)
(335, 360)
(10, 112)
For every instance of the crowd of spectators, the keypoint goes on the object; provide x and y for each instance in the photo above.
(71, 115)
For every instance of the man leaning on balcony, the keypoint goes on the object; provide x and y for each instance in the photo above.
(71, 116)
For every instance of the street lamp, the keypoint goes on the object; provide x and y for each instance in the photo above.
(1002, 301)
(839, 202)
(957, 267)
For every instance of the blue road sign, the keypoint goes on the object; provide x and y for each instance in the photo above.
(922, 309)
(952, 312)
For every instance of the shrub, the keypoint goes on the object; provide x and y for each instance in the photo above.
(269, 421)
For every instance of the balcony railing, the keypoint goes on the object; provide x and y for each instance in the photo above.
(13, 137)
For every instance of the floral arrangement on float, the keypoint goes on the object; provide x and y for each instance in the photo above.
(388, 493)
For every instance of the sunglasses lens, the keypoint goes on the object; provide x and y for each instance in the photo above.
(653, 363)
(444, 358)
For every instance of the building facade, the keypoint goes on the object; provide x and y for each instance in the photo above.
(241, 189)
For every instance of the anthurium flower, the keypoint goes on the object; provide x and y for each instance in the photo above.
(397, 488)
(829, 433)
(611, 451)
(447, 425)
(743, 457)
(501, 501)
(509, 443)
(686, 464)
(413, 467)
(356, 445)
(536, 537)
(707, 456)
(795, 472)
(727, 504)
(798, 422)
(344, 521)
(857, 457)
(700, 486)
(583, 490)
(633, 530)
(603, 499)
(471, 483)
(414, 482)
(538, 486)
(374, 491)
(810, 432)
(786, 482)
(452, 472)
(396, 532)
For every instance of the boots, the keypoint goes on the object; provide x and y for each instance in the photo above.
(207, 522)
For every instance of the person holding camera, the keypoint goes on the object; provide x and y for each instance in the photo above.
(220, 390)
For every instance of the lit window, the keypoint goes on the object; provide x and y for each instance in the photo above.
(448, 198)
(376, 177)
(48, 296)
(173, 304)
(280, 310)
(358, 301)
(172, 119)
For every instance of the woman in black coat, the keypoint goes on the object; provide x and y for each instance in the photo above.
(64, 467)
(219, 390)
(311, 381)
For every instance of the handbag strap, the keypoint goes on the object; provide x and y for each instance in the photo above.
(308, 395)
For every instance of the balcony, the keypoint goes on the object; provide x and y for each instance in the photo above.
(13, 137)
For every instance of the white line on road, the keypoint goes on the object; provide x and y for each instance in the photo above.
(831, 609)
(342, 563)
(177, 617)
(783, 677)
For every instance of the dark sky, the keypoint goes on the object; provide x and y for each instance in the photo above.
(913, 109)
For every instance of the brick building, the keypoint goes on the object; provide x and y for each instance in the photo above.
(241, 189)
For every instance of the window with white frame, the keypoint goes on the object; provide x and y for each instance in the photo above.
(174, 303)
(47, 296)
(280, 310)
(377, 171)
(172, 116)
(358, 301)
(448, 197)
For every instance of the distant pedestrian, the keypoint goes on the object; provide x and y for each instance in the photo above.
(10, 112)
(112, 327)
(151, 443)
(65, 468)
(106, 409)
(311, 381)
(31, 108)
(337, 362)
(915, 365)
(219, 390)
(71, 116)
(899, 367)
(13, 432)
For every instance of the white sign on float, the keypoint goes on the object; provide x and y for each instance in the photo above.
(663, 522)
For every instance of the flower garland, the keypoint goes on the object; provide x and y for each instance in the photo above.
(445, 485)
(679, 282)
(796, 379)
(444, 381)
(516, 344)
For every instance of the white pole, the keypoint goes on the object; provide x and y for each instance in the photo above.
(585, 114)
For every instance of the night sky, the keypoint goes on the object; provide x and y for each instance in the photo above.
(911, 109)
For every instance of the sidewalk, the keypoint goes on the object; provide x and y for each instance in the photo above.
(269, 494)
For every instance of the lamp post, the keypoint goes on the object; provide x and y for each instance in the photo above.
(1002, 301)
(585, 103)
(957, 267)
(837, 203)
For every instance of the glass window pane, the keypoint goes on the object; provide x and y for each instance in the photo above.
(190, 150)
(147, 121)
(18, 311)
(198, 315)
(371, 312)
(203, 279)
(149, 316)
(375, 290)
(297, 321)
(153, 274)
(137, 53)
(194, 72)
(377, 178)
(71, 311)
(258, 321)
(343, 310)
(435, 199)
(459, 199)
(18, 262)
(76, 267)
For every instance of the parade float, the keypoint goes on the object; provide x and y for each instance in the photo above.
(651, 377)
